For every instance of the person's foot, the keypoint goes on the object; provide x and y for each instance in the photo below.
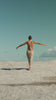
(29, 68)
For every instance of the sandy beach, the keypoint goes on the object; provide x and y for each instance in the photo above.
(18, 83)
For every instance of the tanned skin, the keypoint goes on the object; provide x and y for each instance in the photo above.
(32, 45)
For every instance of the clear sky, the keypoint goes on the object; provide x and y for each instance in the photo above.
(21, 18)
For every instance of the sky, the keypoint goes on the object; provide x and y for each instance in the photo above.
(21, 18)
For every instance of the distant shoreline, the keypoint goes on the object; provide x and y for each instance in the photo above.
(27, 61)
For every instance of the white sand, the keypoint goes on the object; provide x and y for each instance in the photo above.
(18, 83)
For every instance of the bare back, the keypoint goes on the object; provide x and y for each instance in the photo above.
(30, 45)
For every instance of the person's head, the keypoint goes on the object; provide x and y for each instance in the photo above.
(30, 37)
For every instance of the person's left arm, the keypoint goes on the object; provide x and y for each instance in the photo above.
(39, 43)
(21, 45)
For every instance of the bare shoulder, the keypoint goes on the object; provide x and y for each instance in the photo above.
(26, 42)
(33, 42)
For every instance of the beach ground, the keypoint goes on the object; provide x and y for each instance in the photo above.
(18, 83)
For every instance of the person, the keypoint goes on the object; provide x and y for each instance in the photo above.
(30, 45)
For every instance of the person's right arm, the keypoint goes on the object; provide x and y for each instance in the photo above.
(39, 43)
(21, 45)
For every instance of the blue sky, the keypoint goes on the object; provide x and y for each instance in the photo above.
(21, 18)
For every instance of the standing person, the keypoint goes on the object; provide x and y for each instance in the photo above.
(30, 45)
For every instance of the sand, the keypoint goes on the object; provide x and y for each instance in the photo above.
(18, 83)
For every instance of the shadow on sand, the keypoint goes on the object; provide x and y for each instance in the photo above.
(32, 84)
(14, 69)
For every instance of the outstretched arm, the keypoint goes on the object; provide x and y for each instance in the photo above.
(21, 45)
(39, 43)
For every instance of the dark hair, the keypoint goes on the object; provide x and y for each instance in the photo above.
(30, 37)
